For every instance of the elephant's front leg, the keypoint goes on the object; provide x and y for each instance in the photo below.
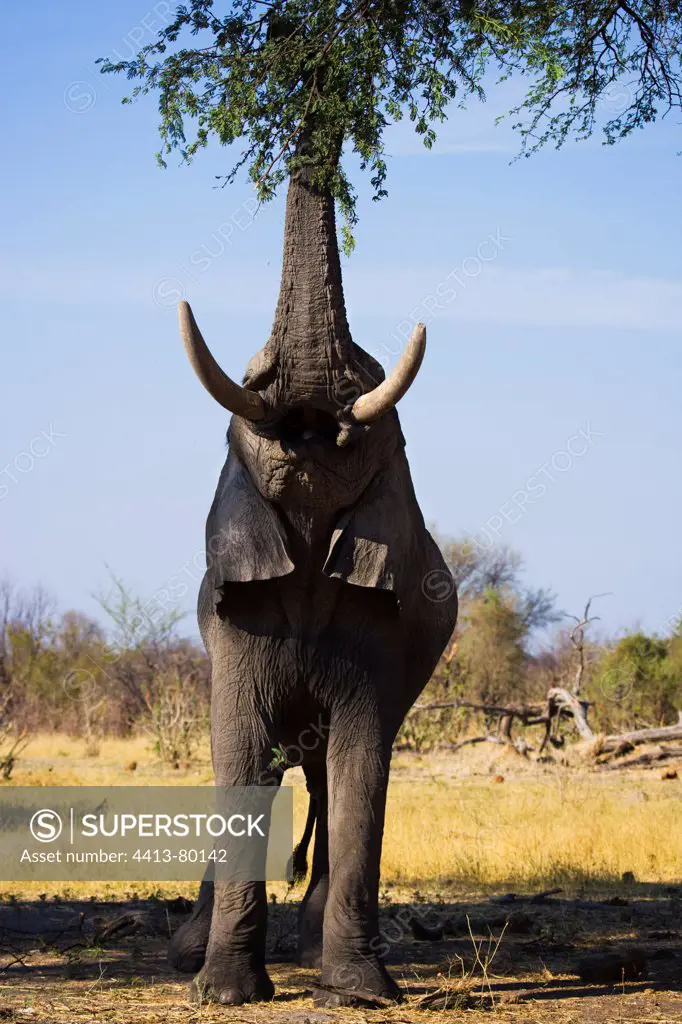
(234, 971)
(358, 767)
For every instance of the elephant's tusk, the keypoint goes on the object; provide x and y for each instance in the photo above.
(231, 396)
(382, 399)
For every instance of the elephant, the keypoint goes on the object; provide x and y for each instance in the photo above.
(325, 601)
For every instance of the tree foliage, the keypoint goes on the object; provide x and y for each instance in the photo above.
(491, 654)
(489, 659)
(257, 72)
(63, 671)
(638, 683)
(163, 677)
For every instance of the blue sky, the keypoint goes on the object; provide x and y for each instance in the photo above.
(571, 323)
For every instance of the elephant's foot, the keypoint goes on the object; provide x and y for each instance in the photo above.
(355, 983)
(310, 921)
(187, 948)
(310, 956)
(232, 984)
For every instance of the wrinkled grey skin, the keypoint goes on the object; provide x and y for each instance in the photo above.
(314, 609)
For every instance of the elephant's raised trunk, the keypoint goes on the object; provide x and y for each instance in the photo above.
(310, 339)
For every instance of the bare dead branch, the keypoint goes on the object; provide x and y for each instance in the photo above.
(577, 638)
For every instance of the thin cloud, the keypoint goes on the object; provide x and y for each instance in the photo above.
(534, 296)
(544, 297)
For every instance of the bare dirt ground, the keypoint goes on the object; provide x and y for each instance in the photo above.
(500, 959)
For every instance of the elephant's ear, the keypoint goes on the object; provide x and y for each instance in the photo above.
(245, 538)
(383, 543)
(371, 541)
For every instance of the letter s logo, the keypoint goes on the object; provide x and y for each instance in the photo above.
(46, 826)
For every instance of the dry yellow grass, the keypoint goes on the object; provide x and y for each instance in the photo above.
(564, 829)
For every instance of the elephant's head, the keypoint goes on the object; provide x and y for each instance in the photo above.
(304, 441)
(313, 421)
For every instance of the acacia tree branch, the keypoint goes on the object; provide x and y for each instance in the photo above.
(388, 58)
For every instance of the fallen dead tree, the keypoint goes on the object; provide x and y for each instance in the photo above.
(559, 704)
(563, 704)
(613, 763)
(625, 741)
